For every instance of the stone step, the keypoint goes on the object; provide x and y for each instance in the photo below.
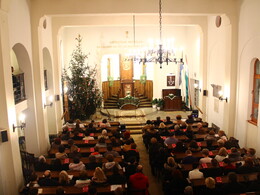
(135, 131)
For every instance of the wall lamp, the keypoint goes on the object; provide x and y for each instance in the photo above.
(22, 122)
(196, 86)
(51, 102)
(221, 96)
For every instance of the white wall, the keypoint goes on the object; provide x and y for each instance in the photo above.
(248, 50)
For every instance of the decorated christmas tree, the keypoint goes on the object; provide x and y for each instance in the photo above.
(84, 96)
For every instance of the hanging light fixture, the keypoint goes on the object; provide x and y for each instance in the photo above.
(160, 55)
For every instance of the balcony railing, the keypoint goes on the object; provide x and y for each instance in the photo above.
(19, 88)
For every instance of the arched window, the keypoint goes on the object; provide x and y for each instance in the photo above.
(255, 92)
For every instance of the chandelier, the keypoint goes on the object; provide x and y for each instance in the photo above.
(160, 55)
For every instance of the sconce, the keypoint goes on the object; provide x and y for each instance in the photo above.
(196, 86)
(23, 124)
(221, 96)
(51, 102)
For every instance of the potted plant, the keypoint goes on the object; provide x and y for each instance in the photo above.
(160, 103)
(154, 102)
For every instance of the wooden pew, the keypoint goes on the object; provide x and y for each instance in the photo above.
(241, 178)
(107, 189)
(85, 142)
(85, 160)
(85, 150)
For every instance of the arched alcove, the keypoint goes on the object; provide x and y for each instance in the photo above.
(27, 107)
(49, 89)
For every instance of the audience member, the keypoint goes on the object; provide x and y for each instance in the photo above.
(211, 136)
(235, 155)
(104, 134)
(83, 179)
(92, 163)
(96, 153)
(61, 154)
(171, 140)
(56, 143)
(180, 147)
(201, 130)
(169, 166)
(104, 124)
(157, 121)
(189, 133)
(99, 176)
(41, 164)
(47, 180)
(255, 185)
(77, 135)
(210, 187)
(178, 130)
(133, 152)
(222, 154)
(138, 182)
(33, 181)
(116, 177)
(179, 122)
(64, 179)
(177, 183)
(251, 153)
(195, 173)
(189, 159)
(228, 166)
(194, 147)
(247, 167)
(131, 167)
(108, 166)
(77, 165)
(232, 142)
(222, 135)
(72, 146)
(214, 170)
(206, 158)
(111, 151)
(168, 121)
(190, 119)
(101, 142)
(87, 135)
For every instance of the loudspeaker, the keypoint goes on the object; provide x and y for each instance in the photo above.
(205, 92)
(4, 136)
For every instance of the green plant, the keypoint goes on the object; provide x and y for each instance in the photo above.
(160, 102)
(154, 101)
(84, 96)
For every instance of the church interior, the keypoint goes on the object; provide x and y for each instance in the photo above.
(150, 58)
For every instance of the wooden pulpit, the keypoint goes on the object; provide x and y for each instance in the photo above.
(172, 99)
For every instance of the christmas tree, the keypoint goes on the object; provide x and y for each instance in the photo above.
(84, 96)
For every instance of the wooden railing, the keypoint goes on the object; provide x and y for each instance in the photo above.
(144, 89)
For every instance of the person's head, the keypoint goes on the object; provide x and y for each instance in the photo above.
(205, 152)
(99, 174)
(251, 151)
(76, 160)
(61, 149)
(90, 125)
(83, 175)
(70, 142)
(171, 161)
(104, 132)
(104, 121)
(57, 141)
(133, 145)
(153, 140)
(110, 158)
(176, 127)
(77, 126)
(42, 159)
(222, 151)
(139, 168)
(60, 190)
(63, 177)
(47, 174)
(96, 148)
(211, 132)
(232, 177)
(168, 118)
(188, 152)
(113, 139)
(199, 125)
(188, 190)
(148, 122)
(214, 162)
(221, 133)
(178, 117)
(33, 177)
(92, 159)
(249, 162)
(195, 165)
(162, 125)
(210, 183)
(127, 134)
(220, 143)
(158, 118)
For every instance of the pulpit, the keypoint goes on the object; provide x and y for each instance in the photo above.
(172, 99)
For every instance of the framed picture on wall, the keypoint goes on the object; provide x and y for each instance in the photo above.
(171, 80)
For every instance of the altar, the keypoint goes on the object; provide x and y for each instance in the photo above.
(172, 99)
